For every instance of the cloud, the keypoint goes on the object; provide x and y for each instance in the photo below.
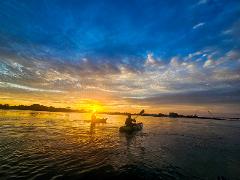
(217, 96)
(151, 61)
(209, 63)
(230, 57)
(27, 88)
(233, 55)
(174, 62)
(198, 25)
(202, 2)
(234, 30)
(175, 80)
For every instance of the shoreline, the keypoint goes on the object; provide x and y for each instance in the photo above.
(170, 115)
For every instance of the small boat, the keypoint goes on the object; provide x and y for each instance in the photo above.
(100, 120)
(129, 129)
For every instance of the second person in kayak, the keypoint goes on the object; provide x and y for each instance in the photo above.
(93, 117)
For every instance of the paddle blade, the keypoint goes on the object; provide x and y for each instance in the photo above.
(141, 113)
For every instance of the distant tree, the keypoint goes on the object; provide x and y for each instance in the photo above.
(173, 114)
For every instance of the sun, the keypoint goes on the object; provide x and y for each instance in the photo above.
(95, 107)
(91, 105)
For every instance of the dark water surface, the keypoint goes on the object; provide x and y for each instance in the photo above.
(43, 145)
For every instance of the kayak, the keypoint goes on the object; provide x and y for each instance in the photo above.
(100, 120)
(129, 129)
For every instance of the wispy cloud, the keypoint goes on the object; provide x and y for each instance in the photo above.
(27, 88)
(202, 2)
(198, 25)
(154, 76)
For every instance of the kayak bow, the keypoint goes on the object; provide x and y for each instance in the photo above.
(129, 129)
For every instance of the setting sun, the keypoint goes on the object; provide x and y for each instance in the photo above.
(95, 107)
(91, 105)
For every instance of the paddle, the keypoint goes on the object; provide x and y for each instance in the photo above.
(141, 113)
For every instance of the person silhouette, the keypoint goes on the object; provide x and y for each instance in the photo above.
(129, 121)
(93, 117)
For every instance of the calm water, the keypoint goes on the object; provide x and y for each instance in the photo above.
(42, 145)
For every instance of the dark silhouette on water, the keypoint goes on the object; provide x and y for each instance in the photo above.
(93, 117)
(132, 122)
(129, 121)
(131, 125)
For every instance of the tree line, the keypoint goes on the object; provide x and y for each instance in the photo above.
(38, 107)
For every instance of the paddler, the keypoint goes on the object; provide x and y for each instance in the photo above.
(129, 121)
(93, 117)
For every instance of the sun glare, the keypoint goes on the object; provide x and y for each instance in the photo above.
(91, 105)
(95, 107)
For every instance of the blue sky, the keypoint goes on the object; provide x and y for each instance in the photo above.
(131, 50)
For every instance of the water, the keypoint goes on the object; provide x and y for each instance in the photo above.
(43, 145)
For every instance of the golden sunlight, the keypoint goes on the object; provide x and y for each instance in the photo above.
(92, 105)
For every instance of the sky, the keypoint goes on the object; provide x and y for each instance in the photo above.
(161, 56)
